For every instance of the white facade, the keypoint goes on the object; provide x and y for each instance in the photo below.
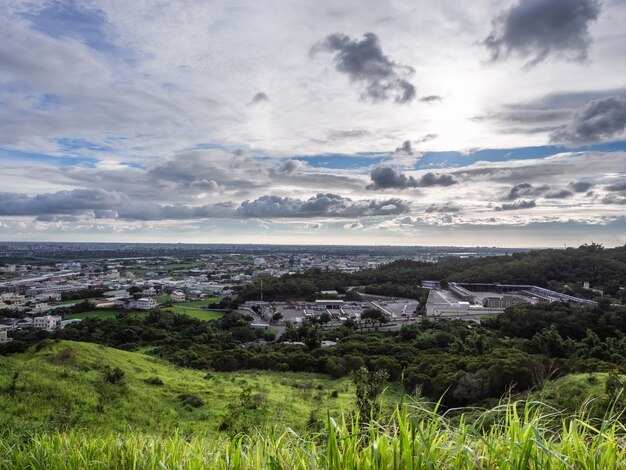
(3, 335)
(145, 303)
(177, 296)
(47, 322)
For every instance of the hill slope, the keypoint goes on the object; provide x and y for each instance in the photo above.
(61, 385)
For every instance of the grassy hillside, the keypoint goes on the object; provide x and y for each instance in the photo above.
(62, 386)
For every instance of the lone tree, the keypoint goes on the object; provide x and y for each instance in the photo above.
(369, 386)
(374, 316)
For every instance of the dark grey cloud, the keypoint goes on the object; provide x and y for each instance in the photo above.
(561, 194)
(434, 179)
(385, 177)
(620, 186)
(445, 208)
(259, 97)
(73, 201)
(67, 205)
(614, 200)
(405, 148)
(431, 98)
(536, 29)
(572, 100)
(581, 186)
(320, 205)
(598, 120)
(290, 166)
(524, 189)
(364, 62)
(521, 204)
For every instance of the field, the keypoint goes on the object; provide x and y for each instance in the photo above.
(195, 313)
(102, 314)
(61, 386)
(198, 303)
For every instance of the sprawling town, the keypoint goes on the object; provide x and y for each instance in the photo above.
(51, 295)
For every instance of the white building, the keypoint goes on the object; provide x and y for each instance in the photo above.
(177, 296)
(259, 261)
(47, 322)
(3, 334)
(146, 303)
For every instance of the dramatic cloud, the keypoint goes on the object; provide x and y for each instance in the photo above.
(433, 179)
(61, 202)
(581, 186)
(260, 97)
(102, 204)
(320, 205)
(562, 194)
(405, 148)
(385, 177)
(598, 120)
(621, 187)
(290, 166)
(535, 29)
(524, 189)
(364, 62)
(522, 204)
(614, 200)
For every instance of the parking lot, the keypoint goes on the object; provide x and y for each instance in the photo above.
(296, 312)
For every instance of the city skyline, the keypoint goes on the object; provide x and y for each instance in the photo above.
(393, 123)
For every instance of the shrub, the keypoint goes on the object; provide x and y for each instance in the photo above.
(63, 357)
(114, 376)
(154, 381)
(190, 401)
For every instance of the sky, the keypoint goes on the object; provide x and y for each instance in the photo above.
(489, 123)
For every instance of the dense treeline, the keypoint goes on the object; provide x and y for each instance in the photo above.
(464, 361)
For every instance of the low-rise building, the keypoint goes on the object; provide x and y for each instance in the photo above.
(47, 322)
(3, 334)
(177, 296)
(145, 303)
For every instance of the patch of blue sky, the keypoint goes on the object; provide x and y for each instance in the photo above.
(16, 156)
(49, 101)
(71, 145)
(452, 159)
(457, 159)
(342, 161)
(67, 19)
(204, 146)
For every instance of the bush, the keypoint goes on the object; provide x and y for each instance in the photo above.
(154, 381)
(114, 376)
(190, 401)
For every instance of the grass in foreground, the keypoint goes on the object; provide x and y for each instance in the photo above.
(414, 438)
